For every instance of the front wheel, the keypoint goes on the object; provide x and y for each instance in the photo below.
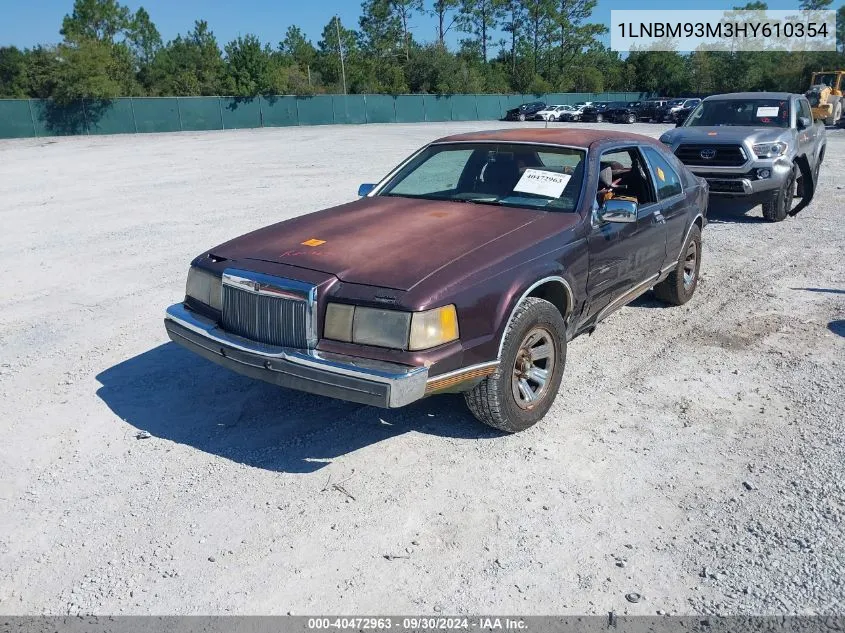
(599, 118)
(776, 209)
(525, 383)
(632, 118)
(521, 117)
(681, 283)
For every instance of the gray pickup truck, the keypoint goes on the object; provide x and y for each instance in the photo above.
(760, 145)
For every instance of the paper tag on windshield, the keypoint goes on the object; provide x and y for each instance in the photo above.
(766, 111)
(542, 183)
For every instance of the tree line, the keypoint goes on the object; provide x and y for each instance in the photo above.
(505, 46)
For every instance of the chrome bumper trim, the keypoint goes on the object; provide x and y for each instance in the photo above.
(407, 384)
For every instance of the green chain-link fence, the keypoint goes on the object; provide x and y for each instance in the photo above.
(22, 118)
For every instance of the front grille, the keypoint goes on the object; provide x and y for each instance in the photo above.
(264, 318)
(725, 186)
(725, 155)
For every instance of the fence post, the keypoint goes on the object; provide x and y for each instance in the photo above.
(396, 101)
(220, 107)
(179, 113)
(132, 110)
(32, 118)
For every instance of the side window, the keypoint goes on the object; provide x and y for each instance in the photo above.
(628, 177)
(667, 179)
(804, 109)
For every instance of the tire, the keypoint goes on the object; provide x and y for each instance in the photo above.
(835, 114)
(521, 117)
(632, 118)
(599, 118)
(776, 209)
(498, 400)
(681, 283)
(576, 119)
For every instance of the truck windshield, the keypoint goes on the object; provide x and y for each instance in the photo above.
(533, 176)
(741, 112)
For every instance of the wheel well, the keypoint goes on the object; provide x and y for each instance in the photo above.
(555, 293)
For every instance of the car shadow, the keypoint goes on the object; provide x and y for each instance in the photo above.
(833, 291)
(648, 300)
(178, 396)
(837, 327)
(733, 211)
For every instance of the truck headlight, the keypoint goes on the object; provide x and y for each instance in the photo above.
(390, 328)
(769, 150)
(204, 287)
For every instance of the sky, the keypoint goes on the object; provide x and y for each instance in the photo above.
(25, 24)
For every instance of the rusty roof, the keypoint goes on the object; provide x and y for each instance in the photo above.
(574, 137)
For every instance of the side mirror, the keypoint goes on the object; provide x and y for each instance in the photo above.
(804, 122)
(366, 188)
(618, 210)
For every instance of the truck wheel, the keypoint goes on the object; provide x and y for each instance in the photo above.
(528, 377)
(521, 117)
(599, 118)
(835, 114)
(681, 283)
(632, 118)
(776, 209)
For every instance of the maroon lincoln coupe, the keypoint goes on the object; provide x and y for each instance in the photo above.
(466, 269)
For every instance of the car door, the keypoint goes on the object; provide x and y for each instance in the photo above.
(625, 255)
(671, 205)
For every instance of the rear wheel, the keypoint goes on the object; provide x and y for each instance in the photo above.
(632, 118)
(835, 114)
(528, 377)
(776, 209)
(599, 118)
(681, 283)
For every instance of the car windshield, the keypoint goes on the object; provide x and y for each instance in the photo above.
(741, 112)
(504, 174)
(676, 102)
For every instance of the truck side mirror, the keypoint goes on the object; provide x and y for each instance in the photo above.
(804, 122)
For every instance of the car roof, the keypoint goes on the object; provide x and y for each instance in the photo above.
(750, 95)
(572, 137)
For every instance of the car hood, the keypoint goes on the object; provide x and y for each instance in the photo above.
(724, 134)
(383, 241)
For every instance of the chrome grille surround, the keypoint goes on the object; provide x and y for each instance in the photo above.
(271, 310)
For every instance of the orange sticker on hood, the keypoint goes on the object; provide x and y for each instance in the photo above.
(313, 242)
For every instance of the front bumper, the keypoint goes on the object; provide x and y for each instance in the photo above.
(350, 378)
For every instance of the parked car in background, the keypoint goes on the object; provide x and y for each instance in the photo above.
(681, 115)
(627, 113)
(525, 111)
(544, 233)
(649, 110)
(594, 112)
(763, 146)
(551, 113)
(667, 113)
(575, 113)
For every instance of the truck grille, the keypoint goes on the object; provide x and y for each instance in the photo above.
(725, 155)
(268, 315)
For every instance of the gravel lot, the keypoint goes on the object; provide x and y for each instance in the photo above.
(695, 455)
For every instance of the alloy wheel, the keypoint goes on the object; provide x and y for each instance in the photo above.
(533, 367)
(690, 264)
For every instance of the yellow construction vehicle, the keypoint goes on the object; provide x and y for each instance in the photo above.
(825, 95)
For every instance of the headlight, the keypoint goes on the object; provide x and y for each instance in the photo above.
(769, 150)
(204, 287)
(391, 328)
